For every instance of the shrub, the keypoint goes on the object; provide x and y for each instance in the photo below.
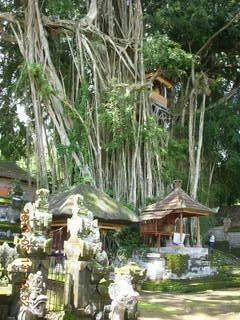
(177, 263)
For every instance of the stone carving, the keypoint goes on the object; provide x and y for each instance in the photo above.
(123, 297)
(86, 262)
(84, 242)
(33, 301)
(226, 224)
(35, 224)
(7, 256)
(138, 274)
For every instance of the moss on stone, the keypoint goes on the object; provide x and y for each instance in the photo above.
(177, 263)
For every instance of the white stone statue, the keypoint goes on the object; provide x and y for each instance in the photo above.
(86, 262)
(33, 301)
(84, 232)
(35, 224)
(123, 296)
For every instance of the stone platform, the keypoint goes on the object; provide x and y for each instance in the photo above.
(191, 251)
(198, 263)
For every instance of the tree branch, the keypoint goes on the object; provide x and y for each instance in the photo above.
(5, 16)
(235, 18)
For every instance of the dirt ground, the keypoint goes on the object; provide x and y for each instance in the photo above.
(210, 305)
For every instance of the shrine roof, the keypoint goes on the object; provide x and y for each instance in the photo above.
(9, 169)
(177, 201)
(101, 205)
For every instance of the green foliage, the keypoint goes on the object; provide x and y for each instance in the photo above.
(154, 133)
(36, 72)
(222, 256)
(65, 9)
(129, 242)
(117, 115)
(177, 263)
(15, 228)
(70, 316)
(228, 277)
(174, 161)
(161, 52)
(5, 200)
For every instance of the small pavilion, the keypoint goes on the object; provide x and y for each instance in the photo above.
(167, 217)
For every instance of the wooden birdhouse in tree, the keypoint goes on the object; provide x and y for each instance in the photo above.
(159, 93)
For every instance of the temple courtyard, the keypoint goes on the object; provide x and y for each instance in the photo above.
(208, 305)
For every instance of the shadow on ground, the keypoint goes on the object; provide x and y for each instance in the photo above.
(210, 305)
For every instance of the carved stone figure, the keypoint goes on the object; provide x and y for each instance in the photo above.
(138, 274)
(35, 224)
(86, 262)
(84, 242)
(226, 224)
(7, 255)
(123, 297)
(33, 301)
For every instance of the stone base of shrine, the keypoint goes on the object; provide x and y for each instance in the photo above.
(178, 249)
(198, 265)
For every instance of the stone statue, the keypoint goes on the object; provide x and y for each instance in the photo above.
(84, 233)
(33, 301)
(35, 224)
(138, 274)
(33, 246)
(86, 262)
(124, 297)
(7, 255)
(226, 224)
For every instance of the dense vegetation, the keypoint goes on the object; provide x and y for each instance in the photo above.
(77, 68)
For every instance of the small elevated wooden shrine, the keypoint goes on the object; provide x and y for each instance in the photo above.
(166, 218)
(158, 94)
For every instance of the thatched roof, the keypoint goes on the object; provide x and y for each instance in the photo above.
(98, 202)
(9, 169)
(175, 202)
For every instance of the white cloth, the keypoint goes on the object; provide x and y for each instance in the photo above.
(176, 238)
(212, 238)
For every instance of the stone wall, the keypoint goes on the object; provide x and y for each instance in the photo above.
(198, 264)
(232, 237)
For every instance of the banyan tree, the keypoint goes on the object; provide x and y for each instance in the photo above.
(85, 85)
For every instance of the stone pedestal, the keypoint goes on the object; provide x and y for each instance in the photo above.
(34, 246)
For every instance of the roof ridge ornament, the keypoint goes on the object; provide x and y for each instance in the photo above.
(177, 184)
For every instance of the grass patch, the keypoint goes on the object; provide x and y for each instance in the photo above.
(228, 277)
(150, 306)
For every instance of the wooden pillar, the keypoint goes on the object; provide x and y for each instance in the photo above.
(158, 241)
(181, 227)
(199, 244)
(104, 234)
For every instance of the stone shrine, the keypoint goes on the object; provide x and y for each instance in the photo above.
(86, 264)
